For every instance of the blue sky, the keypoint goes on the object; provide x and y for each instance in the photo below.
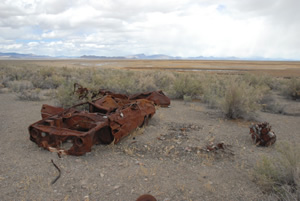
(247, 28)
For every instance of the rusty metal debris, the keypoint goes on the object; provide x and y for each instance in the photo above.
(158, 97)
(262, 135)
(215, 147)
(73, 131)
(146, 197)
(59, 172)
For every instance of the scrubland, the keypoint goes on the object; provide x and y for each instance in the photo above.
(206, 107)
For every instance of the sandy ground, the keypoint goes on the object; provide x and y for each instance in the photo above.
(164, 159)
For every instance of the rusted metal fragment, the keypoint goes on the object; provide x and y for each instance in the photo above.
(262, 135)
(81, 91)
(116, 95)
(82, 129)
(158, 97)
(108, 104)
(146, 197)
(215, 147)
(48, 111)
(126, 119)
(59, 172)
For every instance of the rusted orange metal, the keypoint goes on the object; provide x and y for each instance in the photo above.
(262, 135)
(146, 197)
(215, 147)
(158, 97)
(48, 111)
(81, 91)
(108, 120)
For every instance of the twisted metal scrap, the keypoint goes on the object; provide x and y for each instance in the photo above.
(262, 135)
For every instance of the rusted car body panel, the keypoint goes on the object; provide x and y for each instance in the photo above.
(262, 135)
(108, 120)
(48, 111)
(158, 97)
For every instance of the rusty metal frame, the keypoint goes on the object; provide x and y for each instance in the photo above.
(108, 119)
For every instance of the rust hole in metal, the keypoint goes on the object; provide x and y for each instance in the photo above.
(79, 141)
(34, 133)
(104, 135)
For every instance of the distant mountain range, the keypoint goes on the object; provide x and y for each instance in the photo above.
(159, 57)
(13, 55)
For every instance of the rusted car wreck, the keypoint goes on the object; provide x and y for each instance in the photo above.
(107, 120)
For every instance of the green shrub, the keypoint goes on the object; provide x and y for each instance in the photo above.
(65, 97)
(19, 86)
(186, 84)
(29, 95)
(256, 81)
(280, 175)
(292, 88)
(213, 90)
(164, 80)
(241, 100)
(269, 104)
(144, 82)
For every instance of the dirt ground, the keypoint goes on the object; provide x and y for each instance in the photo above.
(165, 159)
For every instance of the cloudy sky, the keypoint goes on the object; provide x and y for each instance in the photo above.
(241, 28)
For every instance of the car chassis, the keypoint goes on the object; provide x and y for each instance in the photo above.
(107, 120)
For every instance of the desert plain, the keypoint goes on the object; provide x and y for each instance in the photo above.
(167, 158)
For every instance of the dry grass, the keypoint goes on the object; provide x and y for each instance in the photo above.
(274, 68)
(292, 88)
(237, 96)
(280, 175)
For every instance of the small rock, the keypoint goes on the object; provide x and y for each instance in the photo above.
(101, 175)
(188, 149)
(86, 198)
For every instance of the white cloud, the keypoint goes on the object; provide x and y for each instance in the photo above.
(9, 47)
(176, 27)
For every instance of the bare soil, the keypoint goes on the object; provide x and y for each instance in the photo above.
(166, 158)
